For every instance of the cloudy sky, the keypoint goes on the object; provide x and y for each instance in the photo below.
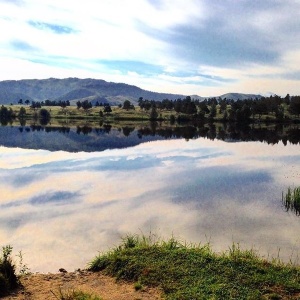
(204, 47)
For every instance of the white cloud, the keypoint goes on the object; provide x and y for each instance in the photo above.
(190, 37)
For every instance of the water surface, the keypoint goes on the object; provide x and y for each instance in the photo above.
(61, 208)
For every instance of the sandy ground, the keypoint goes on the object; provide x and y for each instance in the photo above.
(48, 286)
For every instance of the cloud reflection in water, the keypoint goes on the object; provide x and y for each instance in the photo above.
(61, 208)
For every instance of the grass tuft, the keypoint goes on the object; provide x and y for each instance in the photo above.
(291, 200)
(74, 295)
(138, 286)
(196, 272)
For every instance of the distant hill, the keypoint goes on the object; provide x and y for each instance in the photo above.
(74, 89)
(239, 96)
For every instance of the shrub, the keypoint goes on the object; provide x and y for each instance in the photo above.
(8, 277)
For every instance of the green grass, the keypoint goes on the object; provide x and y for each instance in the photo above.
(196, 272)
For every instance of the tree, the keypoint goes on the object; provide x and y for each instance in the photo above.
(287, 99)
(78, 103)
(213, 111)
(86, 105)
(141, 102)
(63, 106)
(172, 119)
(223, 106)
(232, 114)
(127, 105)
(203, 107)
(168, 104)
(147, 105)
(107, 109)
(225, 116)
(22, 112)
(279, 113)
(5, 113)
(35, 105)
(191, 108)
(178, 105)
(294, 107)
(153, 113)
(246, 112)
(20, 101)
(44, 115)
(260, 107)
(27, 102)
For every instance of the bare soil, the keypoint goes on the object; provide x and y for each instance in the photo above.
(48, 286)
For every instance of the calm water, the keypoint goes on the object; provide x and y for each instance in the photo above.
(60, 208)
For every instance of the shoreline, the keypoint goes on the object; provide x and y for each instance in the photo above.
(146, 267)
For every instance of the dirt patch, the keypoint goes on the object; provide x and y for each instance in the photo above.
(42, 286)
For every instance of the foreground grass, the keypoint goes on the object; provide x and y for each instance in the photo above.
(196, 272)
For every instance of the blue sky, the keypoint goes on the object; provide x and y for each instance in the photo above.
(204, 47)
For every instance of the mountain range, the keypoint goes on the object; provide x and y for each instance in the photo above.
(93, 90)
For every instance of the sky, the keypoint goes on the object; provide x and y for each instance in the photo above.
(203, 47)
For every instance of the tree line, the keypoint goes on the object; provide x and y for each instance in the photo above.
(230, 110)
(39, 104)
(272, 108)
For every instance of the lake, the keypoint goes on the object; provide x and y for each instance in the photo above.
(68, 193)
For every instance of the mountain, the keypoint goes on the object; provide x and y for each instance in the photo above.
(268, 94)
(239, 96)
(74, 89)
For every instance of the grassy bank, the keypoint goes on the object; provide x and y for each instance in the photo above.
(182, 271)
(196, 272)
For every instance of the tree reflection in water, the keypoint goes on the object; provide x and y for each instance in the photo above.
(92, 137)
(271, 134)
